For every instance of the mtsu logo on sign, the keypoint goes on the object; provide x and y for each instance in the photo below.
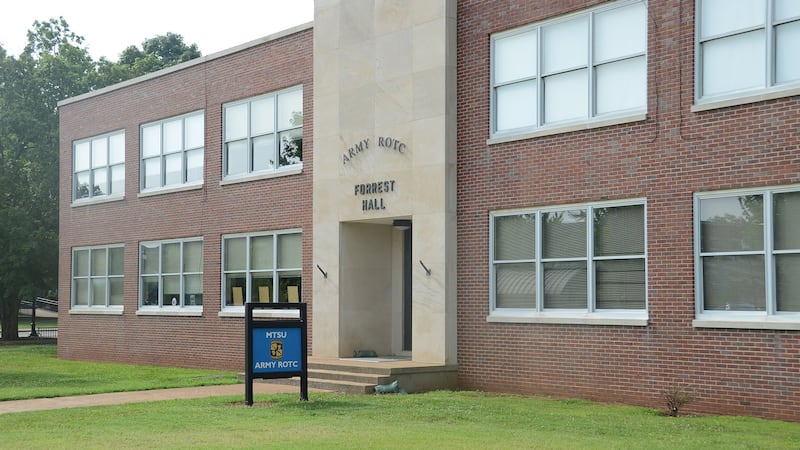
(277, 350)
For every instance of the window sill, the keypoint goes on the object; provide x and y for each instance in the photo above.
(566, 128)
(618, 319)
(749, 322)
(730, 100)
(96, 310)
(261, 313)
(176, 312)
(262, 176)
(97, 200)
(171, 190)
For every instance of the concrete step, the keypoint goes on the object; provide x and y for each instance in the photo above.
(355, 377)
(344, 387)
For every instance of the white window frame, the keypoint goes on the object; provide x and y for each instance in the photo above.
(90, 308)
(770, 90)
(184, 151)
(161, 309)
(770, 318)
(108, 166)
(592, 119)
(589, 316)
(251, 173)
(238, 311)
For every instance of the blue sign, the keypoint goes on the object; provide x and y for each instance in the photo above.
(277, 350)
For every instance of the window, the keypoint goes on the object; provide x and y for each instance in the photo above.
(99, 166)
(746, 45)
(263, 134)
(748, 253)
(171, 274)
(257, 266)
(585, 259)
(581, 67)
(172, 152)
(97, 275)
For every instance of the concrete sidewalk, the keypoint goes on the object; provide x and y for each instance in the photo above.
(117, 398)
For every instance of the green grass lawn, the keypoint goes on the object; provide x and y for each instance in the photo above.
(433, 420)
(34, 371)
(332, 421)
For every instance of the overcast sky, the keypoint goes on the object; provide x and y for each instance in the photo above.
(110, 27)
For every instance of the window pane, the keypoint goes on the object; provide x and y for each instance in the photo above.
(193, 256)
(723, 16)
(151, 141)
(99, 262)
(620, 32)
(261, 252)
(566, 96)
(235, 289)
(172, 290)
(116, 296)
(116, 148)
(621, 85)
(235, 254)
(620, 284)
(786, 208)
(516, 105)
(787, 61)
(734, 283)
(150, 254)
(262, 287)
(99, 152)
(173, 170)
(565, 285)
(98, 291)
(290, 251)
(291, 151)
(264, 152)
(619, 231)
(236, 122)
(149, 291)
(262, 116)
(564, 45)
(82, 156)
(515, 237)
(100, 177)
(116, 261)
(118, 179)
(195, 131)
(173, 136)
(82, 292)
(171, 257)
(515, 285)
(80, 263)
(194, 165)
(193, 285)
(152, 173)
(290, 110)
(787, 278)
(564, 234)
(734, 63)
(236, 157)
(785, 9)
(289, 287)
(82, 185)
(515, 57)
(732, 224)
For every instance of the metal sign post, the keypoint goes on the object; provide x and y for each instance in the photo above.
(275, 348)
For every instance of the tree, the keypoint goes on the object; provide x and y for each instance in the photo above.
(53, 66)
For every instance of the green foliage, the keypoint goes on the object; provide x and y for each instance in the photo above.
(53, 66)
(33, 371)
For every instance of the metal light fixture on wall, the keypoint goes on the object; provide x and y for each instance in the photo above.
(401, 224)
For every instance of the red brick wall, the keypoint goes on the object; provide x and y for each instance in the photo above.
(665, 159)
(263, 205)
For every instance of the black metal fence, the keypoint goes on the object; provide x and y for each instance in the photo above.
(42, 314)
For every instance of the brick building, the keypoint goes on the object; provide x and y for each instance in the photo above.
(572, 198)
